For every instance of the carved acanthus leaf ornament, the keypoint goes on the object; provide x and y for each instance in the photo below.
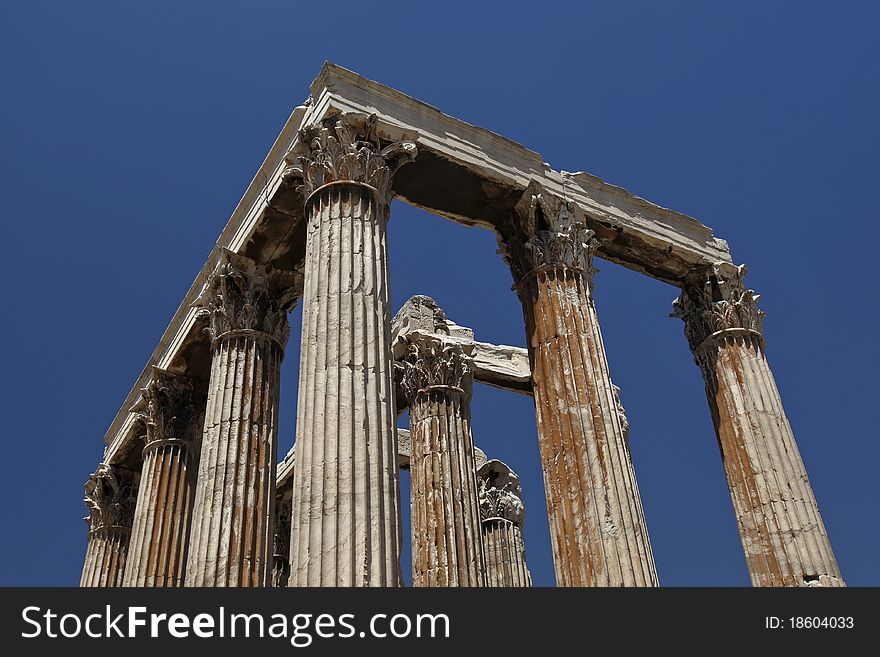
(110, 498)
(500, 492)
(346, 147)
(714, 300)
(433, 363)
(166, 408)
(242, 295)
(548, 232)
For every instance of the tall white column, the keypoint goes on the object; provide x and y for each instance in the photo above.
(160, 531)
(246, 305)
(345, 526)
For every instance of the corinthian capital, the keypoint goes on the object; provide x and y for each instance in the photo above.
(429, 362)
(243, 296)
(548, 232)
(166, 408)
(713, 300)
(346, 148)
(500, 492)
(111, 495)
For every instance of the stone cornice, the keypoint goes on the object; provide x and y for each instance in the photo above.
(714, 304)
(485, 171)
(663, 243)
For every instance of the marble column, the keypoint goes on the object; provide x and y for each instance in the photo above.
(782, 532)
(160, 531)
(111, 494)
(502, 514)
(437, 379)
(246, 306)
(597, 527)
(345, 526)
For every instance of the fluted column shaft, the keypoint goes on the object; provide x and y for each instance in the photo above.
(231, 537)
(505, 554)
(782, 532)
(599, 533)
(597, 527)
(160, 531)
(446, 543)
(106, 556)
(110, 498)
(345, 527)
(160, 534)
(345, 515)
(235, 492)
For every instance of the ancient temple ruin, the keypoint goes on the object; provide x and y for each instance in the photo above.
(191, 491)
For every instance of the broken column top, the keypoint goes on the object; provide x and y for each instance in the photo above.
(501, 366)
(500, 492)
(422, 314)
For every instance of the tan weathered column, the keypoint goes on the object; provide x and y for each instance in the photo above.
(597, 526)
(246, 305)
(782, 532)
(111, 494)
(160, 531)
(437, 379)
(345, 527)
(502, 514)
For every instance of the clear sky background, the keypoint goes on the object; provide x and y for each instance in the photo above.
(130, 131)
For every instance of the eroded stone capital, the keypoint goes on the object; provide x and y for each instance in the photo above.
(548, 232)
(346, 148)
(431, 363)
(714, 302)
(420, 313)
(500, 492)
(110, 497)
(242, 296)
(167, 410)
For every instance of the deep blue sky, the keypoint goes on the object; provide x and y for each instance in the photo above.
(130, 131)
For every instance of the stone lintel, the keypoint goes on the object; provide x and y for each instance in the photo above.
(503, 366)
(465, 173)
(474, 176)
